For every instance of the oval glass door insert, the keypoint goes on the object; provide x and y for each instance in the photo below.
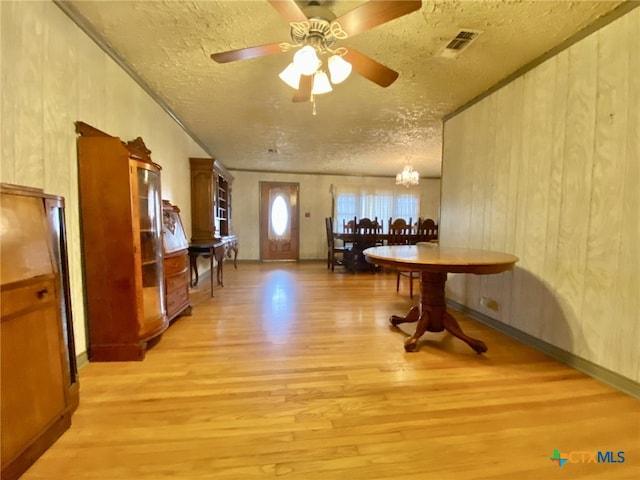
(279, 215)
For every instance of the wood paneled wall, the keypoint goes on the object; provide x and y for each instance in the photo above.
(52, 75)
(548, 168)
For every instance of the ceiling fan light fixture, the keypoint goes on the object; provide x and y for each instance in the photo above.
(291, 76)
(315, 32)
(306, 60)
(321, 84)
(339, 69)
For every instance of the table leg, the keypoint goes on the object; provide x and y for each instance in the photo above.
(211, 259)
(220, 253)
(193, 269)
(432, 315)
(451, 325)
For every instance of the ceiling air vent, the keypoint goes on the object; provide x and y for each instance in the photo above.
(457, 44)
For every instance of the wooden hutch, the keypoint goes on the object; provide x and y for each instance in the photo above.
(39, 377)
(211, 232)
(121, 223)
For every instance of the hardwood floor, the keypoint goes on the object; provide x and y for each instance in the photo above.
(292, 371)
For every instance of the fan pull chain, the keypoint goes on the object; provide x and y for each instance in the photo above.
(313, 100)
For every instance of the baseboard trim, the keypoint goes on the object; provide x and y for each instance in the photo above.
(612, 379)
(82, 359)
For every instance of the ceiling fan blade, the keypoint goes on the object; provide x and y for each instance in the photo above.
(374, 13)
(303, 94)
(289, 9)
(370, 69)
(246, 53)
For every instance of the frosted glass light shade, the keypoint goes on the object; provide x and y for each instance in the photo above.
(321, 84)
(306, 60)
(339, 69)
(291, 76)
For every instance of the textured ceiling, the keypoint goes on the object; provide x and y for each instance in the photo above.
(242, 113)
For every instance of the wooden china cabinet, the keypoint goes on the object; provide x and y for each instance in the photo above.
(121, 223)
(39, 378)
(211, 232)
(176, 262)
(210, 200)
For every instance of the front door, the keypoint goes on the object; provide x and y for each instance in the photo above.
(279, 235)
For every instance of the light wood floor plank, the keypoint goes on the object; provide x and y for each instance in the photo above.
(293, 372)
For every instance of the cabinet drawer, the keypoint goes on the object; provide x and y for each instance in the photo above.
(173, 265)
(176, 299)
(177, 281)
(27, 297)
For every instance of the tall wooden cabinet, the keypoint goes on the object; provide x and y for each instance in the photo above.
(210, 200)
(121, 222)
(39, 382)
(211, 232)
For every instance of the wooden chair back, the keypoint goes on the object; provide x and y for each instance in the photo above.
(372, 227)
(332, 248)
(348, 227)
(366, 231)
(365, 222)
(399, 232)
(328, 223)
(427, 230)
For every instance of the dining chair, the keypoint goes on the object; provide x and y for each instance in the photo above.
(400, 234)
(365, 235)
(335, 253)
(366, 224)
(379, 225)
(427, 230)
(347, 227)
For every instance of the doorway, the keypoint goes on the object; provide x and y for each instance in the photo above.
(279, 220)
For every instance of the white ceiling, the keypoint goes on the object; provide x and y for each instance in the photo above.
(242, 113)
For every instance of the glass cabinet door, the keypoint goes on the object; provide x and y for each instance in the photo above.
(56, 213)
(150, 228)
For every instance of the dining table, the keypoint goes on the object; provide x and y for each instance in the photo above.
(350, 237)
(433, 262)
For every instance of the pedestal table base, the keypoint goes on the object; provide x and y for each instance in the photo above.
(432, 315)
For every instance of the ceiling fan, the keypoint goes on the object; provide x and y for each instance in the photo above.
(315, 31)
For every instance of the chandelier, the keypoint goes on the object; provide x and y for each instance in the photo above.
(407, 177)
(315, 38)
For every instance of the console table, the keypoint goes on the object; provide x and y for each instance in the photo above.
(219, 249)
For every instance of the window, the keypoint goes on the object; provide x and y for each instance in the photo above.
(279, 216)
(373, 201)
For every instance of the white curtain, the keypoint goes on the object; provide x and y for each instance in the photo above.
(373, 201)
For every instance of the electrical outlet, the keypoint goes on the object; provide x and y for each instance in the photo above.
(489, 303)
